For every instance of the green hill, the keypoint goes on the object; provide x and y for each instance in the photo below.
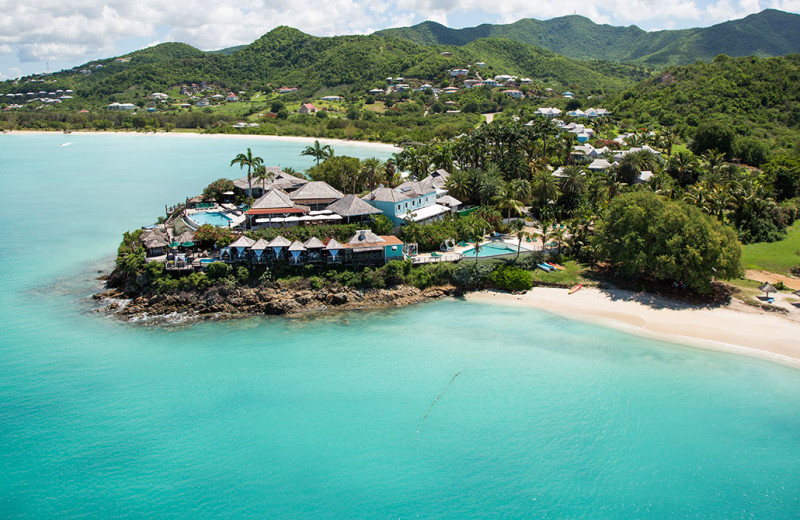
(340, 64)
(768, 33)
(758, 97)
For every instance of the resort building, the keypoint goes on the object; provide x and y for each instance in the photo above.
(316, 195)
(280, 179)
(414, 200)
(275, 208)
(363, 248)
(353, 209)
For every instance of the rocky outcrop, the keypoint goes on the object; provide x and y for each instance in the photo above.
(220, 302)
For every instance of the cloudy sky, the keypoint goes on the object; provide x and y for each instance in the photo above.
(56, 34)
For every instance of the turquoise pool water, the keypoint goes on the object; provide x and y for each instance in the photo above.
(492, 249)
(356, 415)
(215, 218)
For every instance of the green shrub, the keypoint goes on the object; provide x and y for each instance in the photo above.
(217, 271)
(316, 283)
(512, 279)
(166, 285)
(242, 274)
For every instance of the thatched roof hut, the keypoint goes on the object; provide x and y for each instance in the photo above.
(314, 243)
(243, 242)
(297, 246)
(333, 244)
(279, 241)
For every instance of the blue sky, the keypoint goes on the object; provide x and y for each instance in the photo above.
(56, 34)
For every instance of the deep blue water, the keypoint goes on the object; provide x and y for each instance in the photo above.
(338, 416)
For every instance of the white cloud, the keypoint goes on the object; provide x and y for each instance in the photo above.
(70, 30)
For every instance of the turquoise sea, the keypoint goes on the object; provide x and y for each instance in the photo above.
(356, 415)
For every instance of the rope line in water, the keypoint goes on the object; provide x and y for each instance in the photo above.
(422, 423)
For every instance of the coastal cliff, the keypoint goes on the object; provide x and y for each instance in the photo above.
(221, 302)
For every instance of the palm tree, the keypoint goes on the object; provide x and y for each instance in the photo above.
(518, 227)
(318, 152)
(459, 185)
(573, 183)
(507, 200)
(247, 159)
(544, 187)
(373, 170)
(260, 173)
(632, 163)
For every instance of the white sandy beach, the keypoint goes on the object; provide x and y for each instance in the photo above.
(734, 328)
(177, 134)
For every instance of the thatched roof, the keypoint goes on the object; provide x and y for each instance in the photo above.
(448, 200)
(279, 241)
(297, 246)
(186, 236)
(767, 288)
(280, 179)
(352, 206)
(243, 241)
(333, 244)
(320, 190)
(273, 199)
(385, 195)
(260, 244)
(155, 240)
(313, 243)
(365, 236)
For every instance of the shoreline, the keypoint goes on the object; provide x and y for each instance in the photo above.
(285, 138)
(734, 328)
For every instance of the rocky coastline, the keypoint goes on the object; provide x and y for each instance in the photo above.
(221, 303)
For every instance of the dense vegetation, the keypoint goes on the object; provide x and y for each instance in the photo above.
(754, 97)
(769, 33)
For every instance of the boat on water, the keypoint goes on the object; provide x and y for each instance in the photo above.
(575, 288)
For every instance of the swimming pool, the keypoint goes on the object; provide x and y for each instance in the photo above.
(215, 218)
(495, 249)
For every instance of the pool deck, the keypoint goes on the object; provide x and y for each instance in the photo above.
(458, 251)
(235, 220)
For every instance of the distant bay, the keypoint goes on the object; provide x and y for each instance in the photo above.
(355, 415)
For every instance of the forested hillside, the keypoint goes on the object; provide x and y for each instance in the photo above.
(769, 33)
(753, 96)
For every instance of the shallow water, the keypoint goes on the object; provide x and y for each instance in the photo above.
(325, 417)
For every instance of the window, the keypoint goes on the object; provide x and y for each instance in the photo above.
(398, 207)
(394, 248)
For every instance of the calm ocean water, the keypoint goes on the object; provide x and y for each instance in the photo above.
(338, 416)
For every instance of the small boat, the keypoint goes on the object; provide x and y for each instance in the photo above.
(546, 268)
(65, 144)
(576, 288)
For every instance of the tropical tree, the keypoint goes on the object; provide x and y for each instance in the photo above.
(318, 151)
(544, 188)
(261, 173)
(372, 170)
(507, 200)
(518, 227)
(632, 163)
(247, 159)
(459, 185)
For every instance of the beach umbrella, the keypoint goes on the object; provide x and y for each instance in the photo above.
(188, 244)
(767, 288)
(174, 245)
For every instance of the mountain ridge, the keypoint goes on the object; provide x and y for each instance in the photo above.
(768, 33)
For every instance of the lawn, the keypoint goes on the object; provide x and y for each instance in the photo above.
(777, 257)
(571, 275)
